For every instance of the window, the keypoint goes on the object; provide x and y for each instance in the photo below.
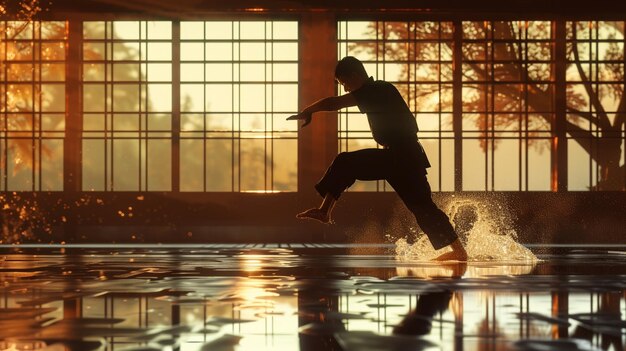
(200, 106)
(595, 105)
(239, 81)
(127, 105)
(508, 108)
(32, 105)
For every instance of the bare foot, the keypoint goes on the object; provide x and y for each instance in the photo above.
(455, 255)
(316, 214)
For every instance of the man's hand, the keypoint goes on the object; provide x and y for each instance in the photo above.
(301, 116)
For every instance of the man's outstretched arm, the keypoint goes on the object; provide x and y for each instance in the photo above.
(332, 103)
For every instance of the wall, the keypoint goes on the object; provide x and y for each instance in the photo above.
(261, 218)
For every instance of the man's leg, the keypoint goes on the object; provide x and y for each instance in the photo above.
(367, 164)
(415, 192)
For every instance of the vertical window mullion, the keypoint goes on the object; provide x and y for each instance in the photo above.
(140, 86)
(588, 64)
(492, 107)
(457, 104)
(523, 125)
(176, 113)
(5, 130)
(623, 126)
(439, 133)
(271, 111)
(380, 51)
(204, 112)
(35, 102)
(558, 127)
(488, 87)
(237, 157)
(236, 143)
(344, 112)
(597, 130)
(108, 171)
(265, 92)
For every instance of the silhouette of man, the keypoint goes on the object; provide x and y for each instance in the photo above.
(401, 160)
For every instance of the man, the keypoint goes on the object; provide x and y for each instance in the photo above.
(402, 160)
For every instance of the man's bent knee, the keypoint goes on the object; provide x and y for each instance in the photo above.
(342, 160)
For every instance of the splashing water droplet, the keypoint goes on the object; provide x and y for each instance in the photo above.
(485, 228)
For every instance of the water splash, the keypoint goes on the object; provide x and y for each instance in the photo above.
(486, 229)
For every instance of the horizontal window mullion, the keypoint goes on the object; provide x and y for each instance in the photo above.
(237, 41)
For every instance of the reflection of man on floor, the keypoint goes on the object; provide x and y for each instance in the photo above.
(402, 160)
(419, 321)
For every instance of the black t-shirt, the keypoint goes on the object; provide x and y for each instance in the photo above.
(390, 119)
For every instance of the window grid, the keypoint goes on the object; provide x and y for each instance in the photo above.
(45, 120)
(239, 111)
(508, 84)
(127, 107)
(595, 97)
(398, 52)
(32, 105)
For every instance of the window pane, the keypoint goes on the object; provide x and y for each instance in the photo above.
(33, 105)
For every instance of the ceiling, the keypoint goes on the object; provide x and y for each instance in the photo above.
(196, 8)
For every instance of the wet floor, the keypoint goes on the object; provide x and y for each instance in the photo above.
(307, 297)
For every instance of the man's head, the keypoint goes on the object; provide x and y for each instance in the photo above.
(350, 73)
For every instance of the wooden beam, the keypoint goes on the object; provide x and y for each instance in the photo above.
(72, 148)
(317, 143)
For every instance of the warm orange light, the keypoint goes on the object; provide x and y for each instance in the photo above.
(554, 177)
(251, 263)
(261, 191)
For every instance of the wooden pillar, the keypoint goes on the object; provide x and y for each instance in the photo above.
(317, 143)
(458, 322)
(560, 310)
(72, 142)
(73, 308)
(72, 146)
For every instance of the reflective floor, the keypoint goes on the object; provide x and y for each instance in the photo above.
(307, 297)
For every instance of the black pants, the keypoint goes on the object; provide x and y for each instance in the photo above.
(404, 169)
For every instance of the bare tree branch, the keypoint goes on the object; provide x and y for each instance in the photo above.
(19, 30)
(586, 115)
(583, 137)
(602, 118)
